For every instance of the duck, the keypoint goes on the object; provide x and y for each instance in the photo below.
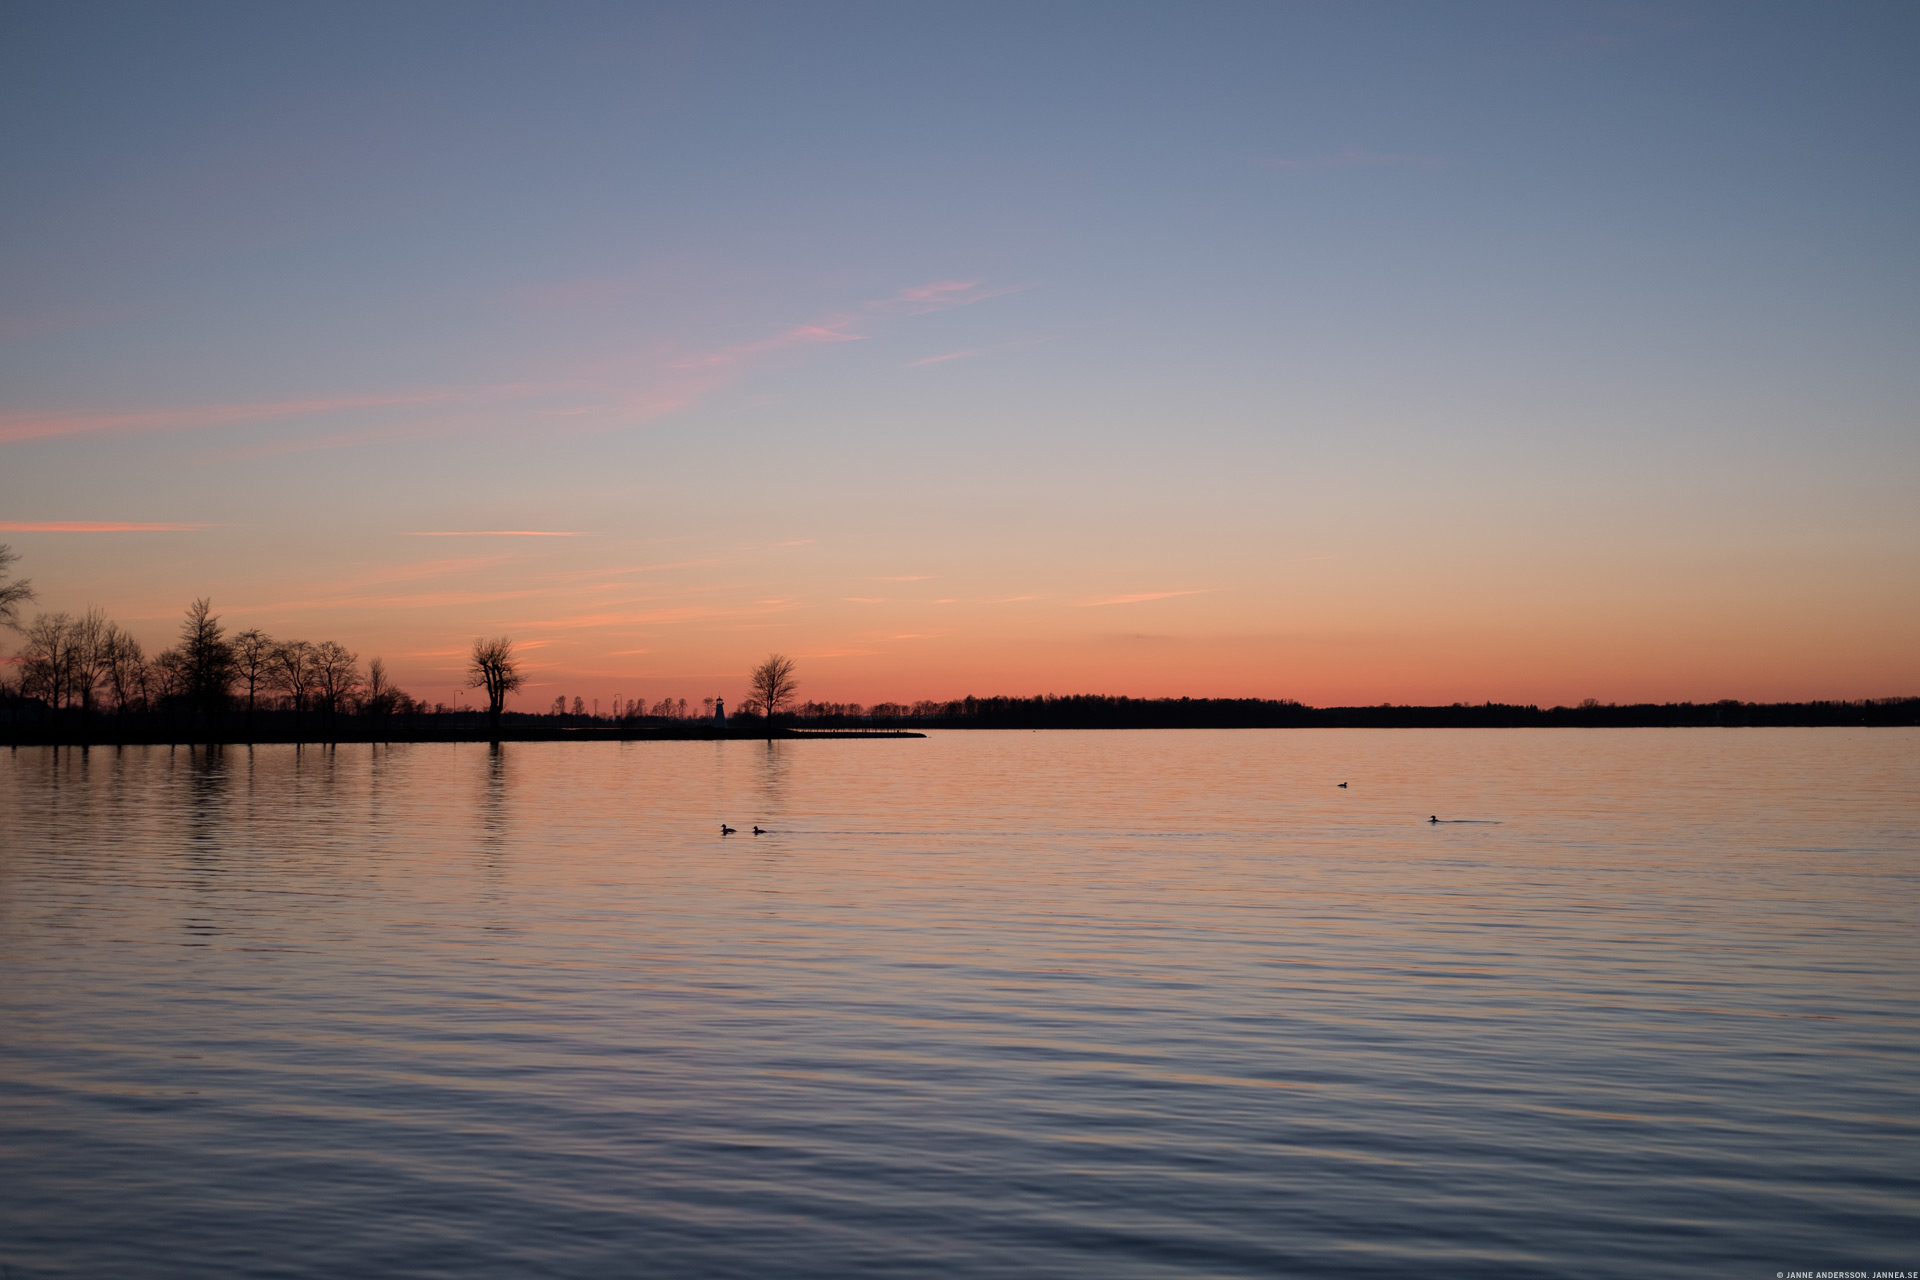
(1433, 817)
(757, 831)
(725, 830)
(1341, 785)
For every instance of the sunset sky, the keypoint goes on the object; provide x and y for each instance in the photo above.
(1526, 352)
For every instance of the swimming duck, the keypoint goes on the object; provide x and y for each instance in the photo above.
(725, 830)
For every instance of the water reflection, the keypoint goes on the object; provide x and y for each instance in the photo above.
(776, 766)
(985, 1005)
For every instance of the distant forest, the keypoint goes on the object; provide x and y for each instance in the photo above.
(362, 718)
(87, 680)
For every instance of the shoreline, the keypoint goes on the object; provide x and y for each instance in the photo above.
(15, 741)
(179, 725)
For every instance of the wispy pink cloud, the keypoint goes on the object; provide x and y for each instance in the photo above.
(404, 600)
(942, 359)
(621, 392)
(941, 295)
(828, 330)
(1351, 158)
(1144, 595)
(97, 526)
(643, 618)
(970, 352)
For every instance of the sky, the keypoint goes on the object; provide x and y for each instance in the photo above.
(1423, 353)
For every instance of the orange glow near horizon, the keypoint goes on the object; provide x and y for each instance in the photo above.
(601, 617)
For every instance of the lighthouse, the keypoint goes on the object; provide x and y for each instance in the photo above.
(719, 710)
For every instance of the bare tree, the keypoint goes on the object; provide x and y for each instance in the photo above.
(493, 667)
(291, 671)
(381, 694)
(46, 659)
(125, 663)
(772, 684)
(12, 594)
(90, 641)
(171, 682)
(253, 654)
(148, 682)
(336, 674)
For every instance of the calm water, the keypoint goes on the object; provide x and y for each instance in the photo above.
(991, 1004)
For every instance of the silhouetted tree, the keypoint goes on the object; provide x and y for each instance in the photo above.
(126, 662)
(46, 659)
(172, 685)
(253, 654)
(12, 594)
(772, 684)
(145, 682)
(205, 663)
(492, 667)
(336, 674)
(90, 642)
(291, 672)
(382, 696)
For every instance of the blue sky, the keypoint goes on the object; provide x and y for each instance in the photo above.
(1522, 351)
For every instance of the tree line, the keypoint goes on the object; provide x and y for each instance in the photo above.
(90, 666)
(88, 669)
(85, 677)
(1101, 711)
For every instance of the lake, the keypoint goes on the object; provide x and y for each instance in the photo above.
(983, 1004)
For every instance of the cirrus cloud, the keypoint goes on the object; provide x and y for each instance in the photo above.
(1144, 596)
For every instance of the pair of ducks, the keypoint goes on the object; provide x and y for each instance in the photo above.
(726, 830)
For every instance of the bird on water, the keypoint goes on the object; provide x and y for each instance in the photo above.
(757, 831)
(1433, 817)
(1340, 784)
(725, 830)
